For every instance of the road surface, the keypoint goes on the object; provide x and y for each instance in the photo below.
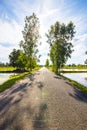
(43, 101)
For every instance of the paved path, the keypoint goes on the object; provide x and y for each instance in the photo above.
(43, 101)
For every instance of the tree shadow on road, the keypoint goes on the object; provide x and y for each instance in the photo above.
(78, 94)
(31, 77)
(8, 100)
(22, 87)
(14, 97)
(12, 123)
(39, 120)
(40, 85)
(57, 77)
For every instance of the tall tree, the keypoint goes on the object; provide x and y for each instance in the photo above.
(47, 63)
(86, 59)
(60, 37)
(30, 39)
(86, 62)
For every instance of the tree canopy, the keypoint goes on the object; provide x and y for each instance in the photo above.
(30, 39)
(18, 59)
(86, 59)
(59, 37)
(47, 63)
(26, 56)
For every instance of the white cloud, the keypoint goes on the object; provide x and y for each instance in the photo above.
(4, 53)
(82, 38)
(78, 56)
(10, 32)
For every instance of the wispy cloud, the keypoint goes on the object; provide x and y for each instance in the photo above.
(10, 32)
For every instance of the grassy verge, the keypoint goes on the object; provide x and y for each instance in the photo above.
(13, 79)
(7, 69)
(78, 85)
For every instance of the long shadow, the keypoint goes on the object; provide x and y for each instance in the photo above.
(7, 101)
(78, 94)
(14, 121)
(57, 77)
(9, 122)
(69, 84)
(4, 103)
(31, 77)
(39, 121)
(22, 87)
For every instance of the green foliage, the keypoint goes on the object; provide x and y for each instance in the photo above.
(27, 58)
(47, 63)
(30, 40)
(22, 60)
(4, 64)
(13, 57)
(18, 59)
(73, 66)
(59, 37)
(86, 59)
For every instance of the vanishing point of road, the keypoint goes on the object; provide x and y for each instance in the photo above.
(43, 101)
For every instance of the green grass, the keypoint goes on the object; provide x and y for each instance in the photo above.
(78, 85)
(75, 67)
(13, 79)
(4, 69)
(49, 68)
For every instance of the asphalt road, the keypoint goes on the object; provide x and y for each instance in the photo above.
(43, 101)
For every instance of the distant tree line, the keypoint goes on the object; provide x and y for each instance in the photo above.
(4, 64)
(78, 66)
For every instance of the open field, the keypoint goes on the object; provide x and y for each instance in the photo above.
(5, 69)
(73, 70)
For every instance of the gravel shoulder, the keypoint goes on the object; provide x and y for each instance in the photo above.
(43, 101)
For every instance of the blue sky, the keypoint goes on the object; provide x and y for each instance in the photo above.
(13, 12)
